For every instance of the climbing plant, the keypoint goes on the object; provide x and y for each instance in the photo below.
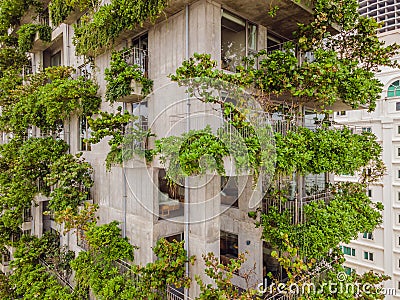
(98, 31)
(349, 212)
(27, 33)
(120, 76)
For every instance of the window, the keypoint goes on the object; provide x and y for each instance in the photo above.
(85, 71)
(398, 218)
(27, 214)
(399, 263)
(368, 256)
(398, 196)
(238, 39)
(397, 106)
(368, 236)
(177, 237)
(341, 113)
(398, 241)
(84, 134)
(394, 90)
(228, 247)
(348, 271)
(366, 129)
(398, 129)
(398, 285)
(398, 174)
(229, 191)
(171, 197)
(370, 193)
(55, 60)
(81, 239)
(349, 251)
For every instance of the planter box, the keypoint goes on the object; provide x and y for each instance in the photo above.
(135, 95)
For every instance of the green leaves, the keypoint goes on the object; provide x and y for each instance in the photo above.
(120, 76)
(97, 33)
(27, 33)
(337, 151)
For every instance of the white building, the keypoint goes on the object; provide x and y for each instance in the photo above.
(380, 250)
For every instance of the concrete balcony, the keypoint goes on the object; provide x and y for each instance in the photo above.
(138, 58)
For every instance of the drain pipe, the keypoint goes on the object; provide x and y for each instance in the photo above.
(124, 194)
(187, 180)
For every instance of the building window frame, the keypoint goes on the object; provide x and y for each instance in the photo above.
(348, 250)
(84, 134)
(229, 247)
(394, 90)
(250, 39)
(368, 236)
(368, 255)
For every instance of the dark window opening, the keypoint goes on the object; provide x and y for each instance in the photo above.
(229, 247)
(229, 191)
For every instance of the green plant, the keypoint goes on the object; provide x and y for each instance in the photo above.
(120, 75)
(27, 34)
(97, 32)
(326, 225)
(71, 177)
(59, 10)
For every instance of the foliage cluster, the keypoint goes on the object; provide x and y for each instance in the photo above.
(50, 97)
(349, 212)
(337, 151)
(30, 279)
(120, 75)
(101, 268)
(98, 31)
(11, 12)
(27, 33)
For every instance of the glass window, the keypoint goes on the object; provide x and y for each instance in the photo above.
(348, 271)
(341, 113)
(370, 193)
(349, 251)
(27, 214)
(171, 197)
(84, 134)
(368, 256)
(368, 236)
(229, 191)
(394, 90)
(55, 60)
(398, 129)
(228, 246)
(366, 129)
(238, 39)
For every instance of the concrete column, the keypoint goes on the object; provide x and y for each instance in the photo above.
(204, 229)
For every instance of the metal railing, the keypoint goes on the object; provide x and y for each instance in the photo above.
(314, 276)
(61, 280)
(137, 57)
(296, 206)
(85, 71)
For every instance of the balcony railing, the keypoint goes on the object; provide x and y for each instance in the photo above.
(296, 206)
(137, 57)
(61, 280)
(310, 280)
